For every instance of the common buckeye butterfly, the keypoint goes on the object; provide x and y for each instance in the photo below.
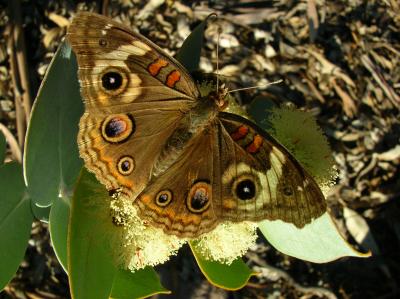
(185, 163)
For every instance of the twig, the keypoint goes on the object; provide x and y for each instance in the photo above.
(19, 112)
(379, 78)
(20, 66)
(104, 8)
(14, 147)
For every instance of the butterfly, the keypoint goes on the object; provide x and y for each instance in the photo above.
(186, 164)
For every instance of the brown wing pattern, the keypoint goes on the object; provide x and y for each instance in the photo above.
(228, 173)
(180, 201)
(135, 96)
(101, 43)
(261, 179)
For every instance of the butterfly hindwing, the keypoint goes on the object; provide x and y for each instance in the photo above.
(181, 200)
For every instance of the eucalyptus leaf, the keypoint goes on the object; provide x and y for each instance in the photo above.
(51, 159)
(58, 226)
(91, 264)
(2, 148)
(140, 284)
(189, 53)
(40, 213)
(230, 277)
(317, 242)
(15, 220)
(260, 109)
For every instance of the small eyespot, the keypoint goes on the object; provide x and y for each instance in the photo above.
(102, 42)
(113, 80)
(287, 191)
(199, 197)
(118, 128)
(114, 193)
(163, 198)
(126, 165)
(245, 187)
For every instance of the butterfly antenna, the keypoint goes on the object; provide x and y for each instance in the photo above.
(217, 57)
(258, 86)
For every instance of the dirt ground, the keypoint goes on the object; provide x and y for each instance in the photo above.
(338, 59)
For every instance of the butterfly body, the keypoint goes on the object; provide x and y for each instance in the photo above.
(185, 163)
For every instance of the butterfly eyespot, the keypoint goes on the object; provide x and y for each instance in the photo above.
(113, 80)
(117, 128)
(199, 197)
(102, 42)
(126, 165)
(163, 198)
(245, 187)
(114, 193)
(287, 190)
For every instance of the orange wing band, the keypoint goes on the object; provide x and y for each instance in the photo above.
(254, 147)
(155, 67)
(172, 78)
(240, 133)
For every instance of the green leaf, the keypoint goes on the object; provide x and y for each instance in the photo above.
(317, 242)
(52, 162)
(2, 148)
(58, 226)
(93, 243)
(260, 110)
(230, 277)
(91, 265)
(142, 283)
(189, 53)
(15, 220)
(41, 214)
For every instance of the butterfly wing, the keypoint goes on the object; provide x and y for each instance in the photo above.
(180, 200)
(135, 96)
(261, 179)
(231, 171)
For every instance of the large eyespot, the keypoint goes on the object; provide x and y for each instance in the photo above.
(126, 165)
(117, 128)
(163, 198)
(245, 187)
(199, 197)
(113, 80)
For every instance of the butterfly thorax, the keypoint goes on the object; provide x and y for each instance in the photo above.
(194, 122)
(219, 97)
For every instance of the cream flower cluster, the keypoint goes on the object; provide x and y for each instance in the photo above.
(143, 245)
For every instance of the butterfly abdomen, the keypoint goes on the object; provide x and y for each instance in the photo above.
(172, 149)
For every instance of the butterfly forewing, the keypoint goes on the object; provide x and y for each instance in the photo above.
(101, 43)
(135, 96)
(256, 164)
